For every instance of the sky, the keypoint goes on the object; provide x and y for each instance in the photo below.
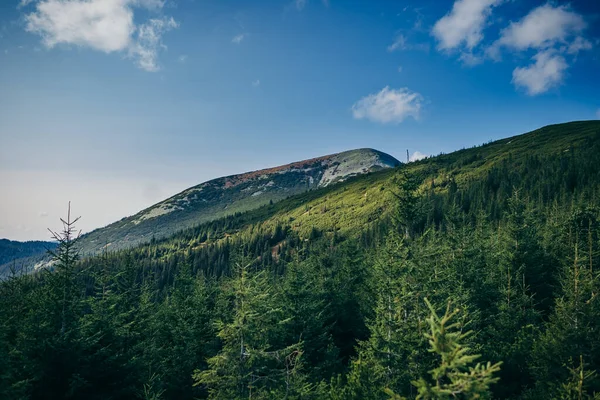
(115, 105)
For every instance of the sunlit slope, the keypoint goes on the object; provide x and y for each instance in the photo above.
(233, 194)
(353, 205)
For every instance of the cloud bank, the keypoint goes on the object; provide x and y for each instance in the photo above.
(553, 33)
(102, 25)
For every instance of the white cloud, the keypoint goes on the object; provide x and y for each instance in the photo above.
(256, 83)
(546, 73)
(464, 24)
(400, 68)
(416, 156)
(237, 39)
(182, 58)
(103, 25)
(150, 4)
(389, 106)
(553, 32)
(542, 28)
(470, 59)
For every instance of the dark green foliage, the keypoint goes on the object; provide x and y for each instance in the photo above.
(254, 361)
(457, 375)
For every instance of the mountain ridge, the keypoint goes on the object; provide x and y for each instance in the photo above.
(356, 204)
(231, 194)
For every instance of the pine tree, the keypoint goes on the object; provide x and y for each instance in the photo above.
(576, 386)
(64, 260)
(303, 297)
(407, 204)
(250, 365)
(509, 322)
(178, 336)
(390, 357)
(573, 328)
(456, 376)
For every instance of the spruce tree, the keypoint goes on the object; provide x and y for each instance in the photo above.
(250, 364)
(310, 318)
(457, 375)
(390, 357)
(573, 328)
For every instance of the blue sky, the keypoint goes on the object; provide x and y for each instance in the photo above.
(117, 104)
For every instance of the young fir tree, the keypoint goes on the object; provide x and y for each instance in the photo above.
(407, 210)
(390, 357)
(179, 336)
(456, 376)
(61, 306)
(303, 296)
(64, 263)
(250, 365)
(576, 387)
(574, 327)
(515, 264)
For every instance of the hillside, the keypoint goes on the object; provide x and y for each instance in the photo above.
(12, 250)
(306, 198)
(233, 194)
(341, 292)
(359, 203)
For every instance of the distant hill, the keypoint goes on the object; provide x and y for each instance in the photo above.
(12, 250)
(233, 194)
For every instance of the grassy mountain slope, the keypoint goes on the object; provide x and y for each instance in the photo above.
(347, 207)
(354, 205)
(232, 194)
(468, 164)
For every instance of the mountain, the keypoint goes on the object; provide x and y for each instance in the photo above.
(233, 194)
(12, 250)
(553, 154)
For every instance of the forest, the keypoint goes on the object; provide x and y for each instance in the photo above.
(471, 275)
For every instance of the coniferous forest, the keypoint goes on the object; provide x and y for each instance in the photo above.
(470, 275)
